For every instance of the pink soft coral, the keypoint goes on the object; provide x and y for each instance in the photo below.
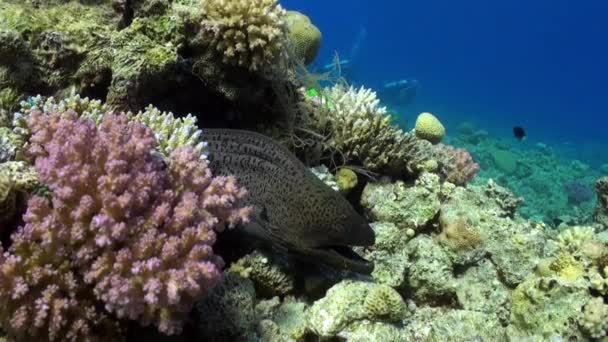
(457, 164)
(122, 229)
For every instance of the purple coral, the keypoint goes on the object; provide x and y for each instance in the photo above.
(122, 229)
(577, 192)
(457, 164)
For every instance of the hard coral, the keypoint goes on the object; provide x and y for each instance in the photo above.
(600, 214)
(122, 229)
(428, 127)
(171, 132)
(249, 33)
(359, 130)
(457, 165)
(304, 36)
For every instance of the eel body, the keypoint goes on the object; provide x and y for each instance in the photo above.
(293, 209)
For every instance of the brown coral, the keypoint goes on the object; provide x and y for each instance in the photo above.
(249, 33)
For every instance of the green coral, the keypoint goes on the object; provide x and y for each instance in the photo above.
(346, 179)
(304, 36)
(505, 160)
(228, 313)
(548, 307)
(408, 207)
(350, 302)
(269, 277)
(15, 177)
(282, 320)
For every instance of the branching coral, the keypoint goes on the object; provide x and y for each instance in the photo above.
(249, 33)
(122, 229)
(360, 131)
(170, 132)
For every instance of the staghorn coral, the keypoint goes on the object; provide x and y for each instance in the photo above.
(121, 229)
(457, 165)
(358, 130)
(249, 33)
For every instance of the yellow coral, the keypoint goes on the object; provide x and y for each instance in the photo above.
(566, 267)
(304, 36)
(383, 301)
(14, 177)
(249, 33)
(456, 235)
(428, 127)
(346, 179)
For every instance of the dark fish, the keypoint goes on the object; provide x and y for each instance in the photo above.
(293, 209)
(519, 133)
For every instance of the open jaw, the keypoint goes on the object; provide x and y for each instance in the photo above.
(341, 257)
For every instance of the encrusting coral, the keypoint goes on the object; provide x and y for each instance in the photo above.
(248, 33)
(122, 231)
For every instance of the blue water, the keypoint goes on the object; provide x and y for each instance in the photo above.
(542, 64)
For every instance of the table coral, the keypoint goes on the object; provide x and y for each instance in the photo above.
(122, 229)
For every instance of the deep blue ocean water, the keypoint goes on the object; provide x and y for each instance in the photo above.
(542, 64)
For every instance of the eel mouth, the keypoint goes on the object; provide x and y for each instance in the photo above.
(342, 257)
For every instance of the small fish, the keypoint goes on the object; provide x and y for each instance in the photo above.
(519, 133)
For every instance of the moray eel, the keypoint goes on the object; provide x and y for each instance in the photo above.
(293, 209)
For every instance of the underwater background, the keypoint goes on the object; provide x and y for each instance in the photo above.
(539, 64)
(488, 66)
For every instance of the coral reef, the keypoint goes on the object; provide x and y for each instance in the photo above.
(406, 207)
(248, 33)
(428, 127)
(348, 302)
(228, 311)
(16, 178)
(121, 228)
(457, 165)
(346, 179)
(577, 192)
(358, 130)
(304, 36)
(170, 132)
(601, 210)
(535, 172)
(595, 318)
